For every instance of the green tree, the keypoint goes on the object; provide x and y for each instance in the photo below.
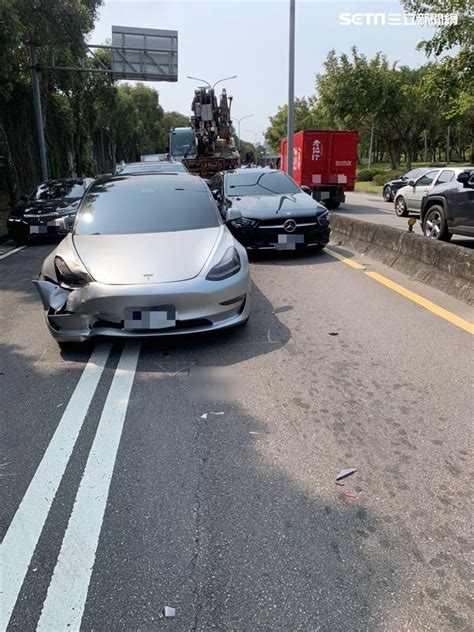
(307, 116)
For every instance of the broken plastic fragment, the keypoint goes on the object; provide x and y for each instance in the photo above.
(169, 612)
(344, 473)
(351, 495)
(206, 414)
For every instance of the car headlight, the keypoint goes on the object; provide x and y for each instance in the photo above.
(68, 278)
(227, 266)
(323, 218)
(244, 222)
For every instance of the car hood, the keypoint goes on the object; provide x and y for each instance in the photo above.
(146, 257)
(39, 207)
(268, 206)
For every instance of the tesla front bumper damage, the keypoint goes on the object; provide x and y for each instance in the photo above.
(98, 309)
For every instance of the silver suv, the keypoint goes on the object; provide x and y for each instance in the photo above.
(408, 198)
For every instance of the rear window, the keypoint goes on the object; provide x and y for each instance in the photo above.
(145, 204)
(265, 183)
(151, 167)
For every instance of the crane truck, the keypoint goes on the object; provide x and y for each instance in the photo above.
(207, 145)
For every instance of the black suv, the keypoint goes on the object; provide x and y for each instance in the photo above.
(448, 209)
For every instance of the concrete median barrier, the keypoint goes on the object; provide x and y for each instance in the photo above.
(441, 265)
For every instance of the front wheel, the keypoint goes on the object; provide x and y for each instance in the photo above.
(388, 193)
(435, 225)
(401, 207)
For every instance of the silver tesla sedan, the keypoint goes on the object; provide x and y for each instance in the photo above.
(148, 255)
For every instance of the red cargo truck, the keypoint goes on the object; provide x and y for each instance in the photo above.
(324, 160)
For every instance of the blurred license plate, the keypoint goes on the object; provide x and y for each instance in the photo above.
(289, 242)
(159, 317)
(38, 230)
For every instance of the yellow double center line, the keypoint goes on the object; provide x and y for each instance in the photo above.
(412, 296)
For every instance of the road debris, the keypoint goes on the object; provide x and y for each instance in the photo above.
(345, 473)
(206, 414)
(333, 333)
(350, 494)
(169, 612)
(250, 432)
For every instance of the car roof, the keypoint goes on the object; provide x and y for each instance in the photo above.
(161, 176)
(251, 170)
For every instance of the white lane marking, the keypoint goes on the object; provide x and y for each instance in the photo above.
(64, 604)
(25, 529)
(12, 252)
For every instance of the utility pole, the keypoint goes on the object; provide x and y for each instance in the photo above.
(38, 111)
(291, 88)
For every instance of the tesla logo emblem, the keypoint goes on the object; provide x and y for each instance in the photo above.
(289, 225)
(148, 276)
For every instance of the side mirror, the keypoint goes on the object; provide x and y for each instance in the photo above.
(232, 215)
(24, 198)
(404, 178)
(411, 183)
(306, 189)
(216, 194)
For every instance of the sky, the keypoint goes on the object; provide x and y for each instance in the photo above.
(220, 38)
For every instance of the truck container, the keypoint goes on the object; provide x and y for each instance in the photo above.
(325, 161)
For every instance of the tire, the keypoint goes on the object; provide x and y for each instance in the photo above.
(435, 225)
(400, 207)
(388, 193)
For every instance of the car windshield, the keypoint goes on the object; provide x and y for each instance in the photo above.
(146, 204)
(143, 167)
(57, 190)
(266, 183)
(182, 143)
(414, 173)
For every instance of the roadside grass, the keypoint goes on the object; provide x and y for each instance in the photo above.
(4, 211)
(368, 187)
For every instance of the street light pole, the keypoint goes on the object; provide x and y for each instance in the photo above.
(239, 121)
(291, 87)
(38, 111)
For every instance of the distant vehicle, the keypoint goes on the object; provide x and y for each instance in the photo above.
(153, 157)
(148, 256)
(207, 145)
(390, 188)
(408, 198)
(325, 161)
(168, 166)
(275, 212)
(49, 210)
(448, 209)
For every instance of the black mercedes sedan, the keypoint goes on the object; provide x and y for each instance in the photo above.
(49, 210)
(390, 188)
(276, 212)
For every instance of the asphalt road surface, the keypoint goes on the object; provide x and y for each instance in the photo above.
(371, 207)
(199, 473)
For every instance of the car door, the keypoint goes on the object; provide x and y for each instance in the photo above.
(415, 193)
(460, 209)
